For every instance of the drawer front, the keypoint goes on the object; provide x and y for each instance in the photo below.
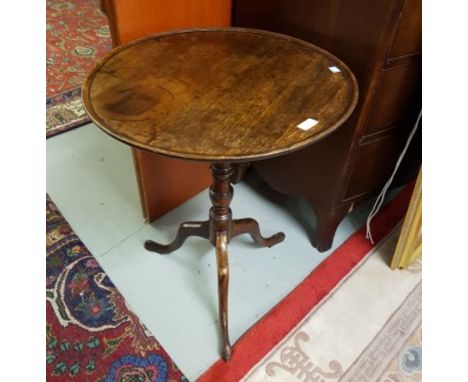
(396, 99)
(375, 163)
(407, 37)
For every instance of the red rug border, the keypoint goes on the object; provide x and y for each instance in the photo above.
(258, 341)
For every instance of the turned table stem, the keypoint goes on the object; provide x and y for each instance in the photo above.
(219, 229)
(221, 194)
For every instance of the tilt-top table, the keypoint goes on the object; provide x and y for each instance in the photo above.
(221, 95)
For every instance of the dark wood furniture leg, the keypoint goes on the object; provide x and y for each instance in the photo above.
(223, 285)
(219, 229)
(328, 220)
(185, 230)
(251, 227)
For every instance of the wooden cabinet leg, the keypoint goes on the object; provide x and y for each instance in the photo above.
(328, 221)
(223, 281)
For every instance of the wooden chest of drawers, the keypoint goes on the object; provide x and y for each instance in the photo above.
(381, 42)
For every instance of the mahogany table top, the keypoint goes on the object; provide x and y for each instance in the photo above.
(228, 94)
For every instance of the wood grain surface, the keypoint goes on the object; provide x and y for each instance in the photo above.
(225, 94)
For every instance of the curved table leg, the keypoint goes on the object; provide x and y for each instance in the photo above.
(250, 226)
(219, 230)
(223, 280)
(185, 230)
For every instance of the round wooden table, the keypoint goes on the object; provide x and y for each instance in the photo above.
(221, 95)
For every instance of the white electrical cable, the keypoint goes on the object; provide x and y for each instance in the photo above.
(380, 199)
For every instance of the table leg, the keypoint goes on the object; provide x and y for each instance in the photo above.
(219, 229)
(250, 226)
(185, 230)
(223, 284)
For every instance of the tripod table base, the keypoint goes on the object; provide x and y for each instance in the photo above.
(219, 229)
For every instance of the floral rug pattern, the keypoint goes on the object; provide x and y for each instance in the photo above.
(91, 334)
(77, 36)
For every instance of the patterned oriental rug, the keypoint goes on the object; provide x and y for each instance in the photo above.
(91, 334)
(77, 36)
(352, 319)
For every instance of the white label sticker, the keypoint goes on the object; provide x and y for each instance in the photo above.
(334, 69)
(307, 124)
(189, 225)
